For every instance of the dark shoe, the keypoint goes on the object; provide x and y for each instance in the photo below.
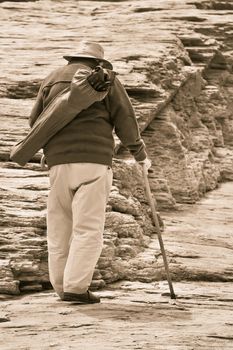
(85, 298)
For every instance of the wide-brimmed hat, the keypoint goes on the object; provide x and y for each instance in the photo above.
(88, 49)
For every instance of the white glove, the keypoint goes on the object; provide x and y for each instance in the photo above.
(146, 163)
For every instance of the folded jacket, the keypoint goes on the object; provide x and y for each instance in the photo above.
(59, 112)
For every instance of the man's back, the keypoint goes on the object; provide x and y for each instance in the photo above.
(88, 137)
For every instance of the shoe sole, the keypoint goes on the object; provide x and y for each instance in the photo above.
(81, 302)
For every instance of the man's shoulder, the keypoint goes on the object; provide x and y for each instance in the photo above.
(117, 88)
(63, 73)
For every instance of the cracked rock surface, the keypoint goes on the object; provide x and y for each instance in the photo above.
(178, 74)
(175, 60)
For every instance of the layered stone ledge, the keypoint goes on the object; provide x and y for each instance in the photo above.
(178, 73)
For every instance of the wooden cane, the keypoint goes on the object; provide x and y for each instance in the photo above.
(156, 224)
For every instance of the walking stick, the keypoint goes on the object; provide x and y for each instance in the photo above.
(156, 224)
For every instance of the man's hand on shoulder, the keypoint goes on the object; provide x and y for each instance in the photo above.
(101, 79)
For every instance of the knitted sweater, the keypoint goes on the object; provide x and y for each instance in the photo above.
(88, 137)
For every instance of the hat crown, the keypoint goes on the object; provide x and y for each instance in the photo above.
(89, 48)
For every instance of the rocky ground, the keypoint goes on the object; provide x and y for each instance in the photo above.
(137, 315)
(178, 74)
(175, 60)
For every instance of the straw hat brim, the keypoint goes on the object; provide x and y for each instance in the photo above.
(107, 64)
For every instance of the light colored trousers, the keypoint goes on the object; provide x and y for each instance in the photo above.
(75, 223)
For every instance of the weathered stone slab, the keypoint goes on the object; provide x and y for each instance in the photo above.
(132, 315)
(175, 61)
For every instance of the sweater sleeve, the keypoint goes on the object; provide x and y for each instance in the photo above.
(125, 122)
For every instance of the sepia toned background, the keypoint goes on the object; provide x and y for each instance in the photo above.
(175, 59)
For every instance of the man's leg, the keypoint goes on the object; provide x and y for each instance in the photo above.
(59, 225)
(88, 207)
